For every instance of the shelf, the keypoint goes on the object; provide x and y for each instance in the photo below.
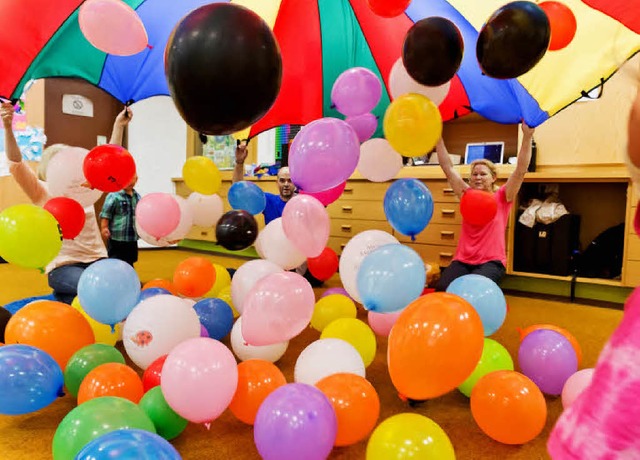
(600, 281)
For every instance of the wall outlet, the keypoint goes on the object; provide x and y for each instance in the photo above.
(101, 140)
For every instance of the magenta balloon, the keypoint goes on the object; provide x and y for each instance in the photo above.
(364, 125)
(336, 290)
(356, 91)
(327, 197)
(296, 421)
(547, 358)
(203, 331)
(323, 155)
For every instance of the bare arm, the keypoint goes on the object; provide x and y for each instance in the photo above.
(457, 183)
(512, 187)
(119, 124)
(10, 144)
(104, 228)
(241, 155)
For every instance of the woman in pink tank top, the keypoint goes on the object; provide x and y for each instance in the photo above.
(481, 248)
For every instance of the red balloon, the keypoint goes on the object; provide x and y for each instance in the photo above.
(68, 213)
(325, 265)
(388, 8)
(478, 207)
(562, 22)
(109, 168)
(152, 374)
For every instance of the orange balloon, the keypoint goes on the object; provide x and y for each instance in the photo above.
(434, 345)
(256, 380)
(54, 327)
(508, 407)
(356, 404)
(194, 276)
(161, 283)
(572, 340)
(111, 379)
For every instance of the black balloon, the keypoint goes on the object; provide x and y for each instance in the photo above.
(236, 230)
(432, 51)
(5, 316)
(223, 67)
(513, 40)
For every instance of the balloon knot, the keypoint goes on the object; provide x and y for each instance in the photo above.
(413, 403)
(113, 328)
(207, 425)
(61, 393)
(413, 237)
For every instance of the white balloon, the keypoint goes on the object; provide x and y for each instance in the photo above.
(244, 351)
(246, 276)
(65, 176)
(326, 357)
(183, 228)
(207, 209)
(273, 245)
(378, 161)
(156, 325)
(357, 249)
(400, 82)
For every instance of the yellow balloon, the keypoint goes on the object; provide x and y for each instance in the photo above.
(29, 236)
(242, 135)
(201, 175)
(412, 124)
(225, 294)
(355, 332)
(330, 308)
(409, 436)
(223, 279)
(102, 332)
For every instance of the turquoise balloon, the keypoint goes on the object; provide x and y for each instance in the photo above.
(494, 357)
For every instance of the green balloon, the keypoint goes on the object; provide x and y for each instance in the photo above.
(168, 424)
(93, 419)
(494, 357)
(85, 360)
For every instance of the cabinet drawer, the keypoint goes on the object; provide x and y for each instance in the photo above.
(444, 234)
(349, 228)
(337, 243)
(365, 190)
(202, 233)
(446, 213)
(434, 254)
(357, 210)
(441, 191)
(633, 252)
(631, 272)
(265, 186)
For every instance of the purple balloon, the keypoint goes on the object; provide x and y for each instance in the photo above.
(356, 91)
(295, 421)
(547, 358)
(336, 290)
(203, 331)
(364, 125)
(323, 155)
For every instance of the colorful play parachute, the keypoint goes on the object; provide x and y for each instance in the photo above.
(319, 39)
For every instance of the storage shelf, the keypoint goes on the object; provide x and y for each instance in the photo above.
(601, 281)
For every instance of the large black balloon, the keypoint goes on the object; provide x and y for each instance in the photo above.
(432, 51)
(513, 40)
(5, 316)
(236, 230)
(223, 67)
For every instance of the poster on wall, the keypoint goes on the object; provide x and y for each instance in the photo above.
(31, 141)
(222, 150)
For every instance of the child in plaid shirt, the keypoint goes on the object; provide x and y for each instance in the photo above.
(118, 223)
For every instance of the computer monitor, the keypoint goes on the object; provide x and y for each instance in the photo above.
(493, 151)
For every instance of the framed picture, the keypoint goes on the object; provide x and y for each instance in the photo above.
(222, 150)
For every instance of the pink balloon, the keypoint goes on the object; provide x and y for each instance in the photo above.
(306, 224)
(323, 154)
(381, 323)
(277, 309)
(400, 82)
(327, 197)
(575, 385)
(158, 214)
(378, 161)
(112, 26)
(246, 277)
(356, 91)
(199, 379)
(364, 125)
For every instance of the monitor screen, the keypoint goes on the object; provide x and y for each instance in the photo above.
(493, 151)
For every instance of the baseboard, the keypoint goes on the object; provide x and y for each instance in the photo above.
(209, 246)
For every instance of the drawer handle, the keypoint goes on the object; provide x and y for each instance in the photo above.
(347, 190)
(345, 228)
(203, 233)
(347, 209)
(446, 233)
(342, 246)
(448, 212)
(446, 255)
(447, 191)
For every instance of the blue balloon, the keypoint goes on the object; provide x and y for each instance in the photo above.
(129, 444)
(150, 292)
(390, 278)
(30, 379)
(247, 196)
(408, 205)
(216, 316)
(485, 296)
(108, 290)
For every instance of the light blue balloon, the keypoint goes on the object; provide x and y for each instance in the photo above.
(390, 278)
(408, 205)
(108, 290)
(30, 379)
(247, 196)
(129, 444)
(485, 296)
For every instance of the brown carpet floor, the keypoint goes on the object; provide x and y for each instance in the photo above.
(29, 437)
